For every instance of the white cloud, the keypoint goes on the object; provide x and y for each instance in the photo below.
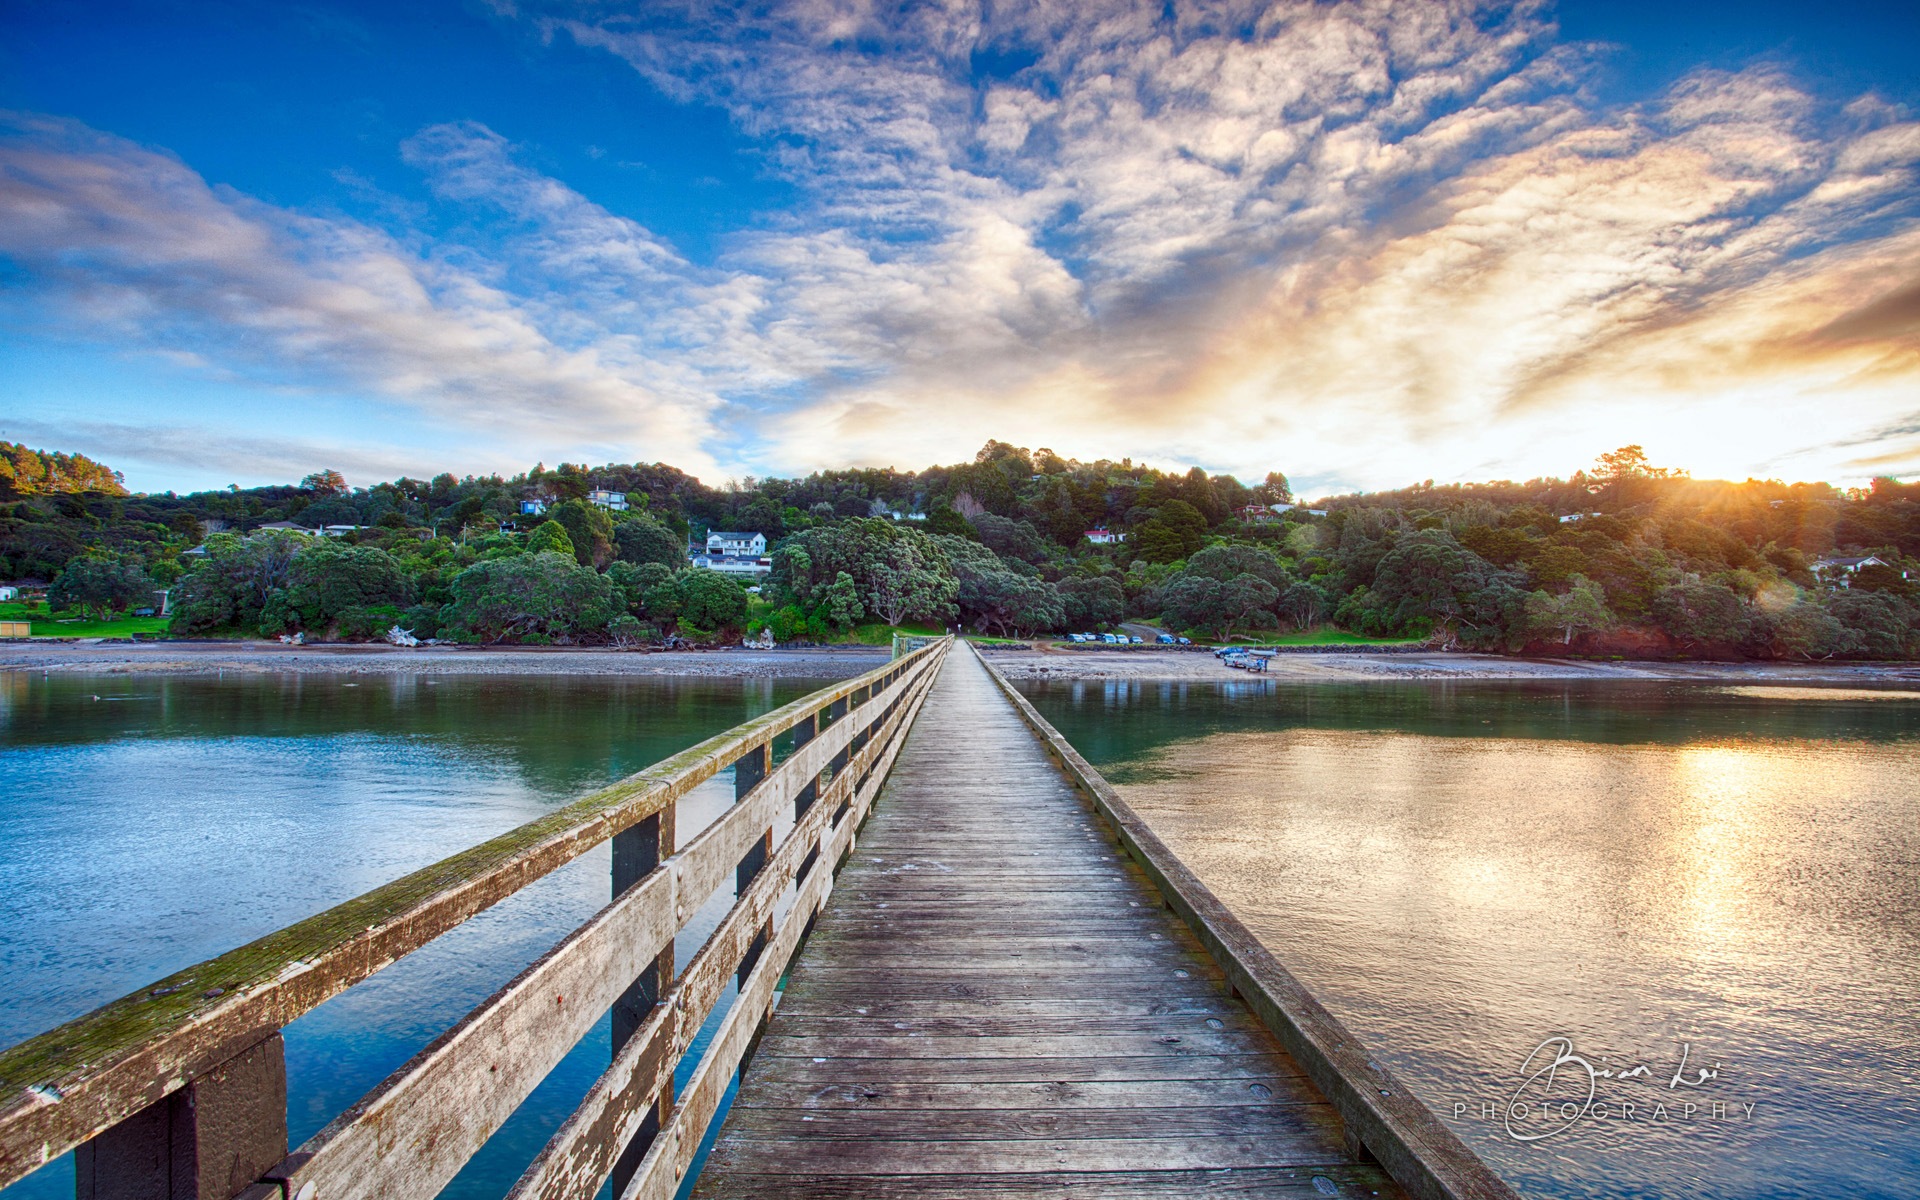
(1363, 241)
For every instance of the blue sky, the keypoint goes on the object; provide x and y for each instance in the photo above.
(1364, 243)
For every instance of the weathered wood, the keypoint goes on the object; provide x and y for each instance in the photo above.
(207, 1141)
(994, 966)
(64, 1086)
(1262, 1183)
(1415, 1147)
(579, 1157)
(667, 1161)
(414, 1132)
(949, 1096)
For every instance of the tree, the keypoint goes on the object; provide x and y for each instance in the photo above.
(99, 585)
(1093, 602)
(1276, 489)
(1803, 629)
(1582, 609)
(230, 586)
(539, 597)
(1881, 624)
(710, 600)
(843, 602)
(1216, 606)
(641, 539)
(325, 483)
(1629, 462)
(1428, 577)
(327, 578)
(589, 528)
(1176, 530)
(1696, 613)
(550, 537)
(901, 574)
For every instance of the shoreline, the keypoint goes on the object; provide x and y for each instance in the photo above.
(1039, 665)
(1019, 663)
(268, 658)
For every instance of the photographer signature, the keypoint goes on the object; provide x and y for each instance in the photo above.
(1543, 1067)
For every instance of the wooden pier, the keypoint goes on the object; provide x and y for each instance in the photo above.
(1001, 984)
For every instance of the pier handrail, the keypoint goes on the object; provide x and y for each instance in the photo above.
(1378, 1111)
(111, 1083)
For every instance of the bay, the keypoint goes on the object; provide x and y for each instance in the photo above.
(1654, 879)
(147, 823)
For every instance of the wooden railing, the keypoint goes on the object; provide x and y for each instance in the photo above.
(1380, 1117)
(179, 1090)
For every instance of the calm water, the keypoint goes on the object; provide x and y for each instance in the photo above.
(1464, 871)
(146, 824)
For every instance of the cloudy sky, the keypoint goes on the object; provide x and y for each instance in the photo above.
(1366, 243)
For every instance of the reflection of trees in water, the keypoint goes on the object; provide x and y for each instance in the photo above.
(562, 733)
(1114, 721)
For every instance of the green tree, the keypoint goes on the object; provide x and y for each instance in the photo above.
(901, 574)
(1697, 613)
(550, 537)
(1216, 607)
(538, 597)
(1582, 609)
(99, 585)
(232, 583)
(641, 539)
(710, 600)
(843, 601)
(326, 578)
(588, 527)
(1093, 603)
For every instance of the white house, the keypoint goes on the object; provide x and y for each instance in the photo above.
(731, 565)
(737, 545)
(9, 593)
(536, 507)
(617, 501)
(287, 527)
(1841, 570)
(1100, 537)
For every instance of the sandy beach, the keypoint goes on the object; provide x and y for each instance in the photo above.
(1040, 661)
(214, 658)
(1044, 661)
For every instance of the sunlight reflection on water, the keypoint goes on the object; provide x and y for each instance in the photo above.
(1462, 872)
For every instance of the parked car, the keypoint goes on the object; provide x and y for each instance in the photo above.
(1165, 639)
(1110, 639)
(1135, 641)
(1185, 641)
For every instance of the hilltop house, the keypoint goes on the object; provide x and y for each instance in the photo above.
(617, 501)
(536, 507)
(1100, 537)
(1260, 514)
(735, 545)
(1842, 570)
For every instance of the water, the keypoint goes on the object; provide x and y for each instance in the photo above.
(149, 823)
(1464, 871)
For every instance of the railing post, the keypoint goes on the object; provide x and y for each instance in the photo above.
(211, 1140)
(637, 851)
(748, 770)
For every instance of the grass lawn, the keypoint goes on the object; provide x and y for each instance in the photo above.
(45, 625)
(882, 635)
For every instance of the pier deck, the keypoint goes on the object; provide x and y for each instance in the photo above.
(995, 1002)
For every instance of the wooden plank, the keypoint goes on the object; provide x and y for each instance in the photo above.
(949, 1096)
(993, 995)
(915, 1156)
(1315, 1119)
(578, 1158)
(64, 1086)
(1416, 1147)
(413, 1133)
(1256, 1183)
(668, 1159)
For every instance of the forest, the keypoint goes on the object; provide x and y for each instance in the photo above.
(1623, 559)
